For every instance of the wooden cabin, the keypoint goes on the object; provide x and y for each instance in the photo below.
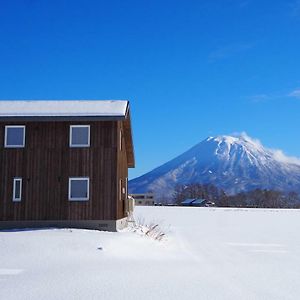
(65, 164)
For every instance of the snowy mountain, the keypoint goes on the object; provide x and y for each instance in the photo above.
(233, 163)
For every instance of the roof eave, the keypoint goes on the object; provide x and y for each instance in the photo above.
(129, 139)
(61, 118)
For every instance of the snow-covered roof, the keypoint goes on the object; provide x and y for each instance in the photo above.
(63, 108)
(187, 201)
(193, 201)
(198, 201)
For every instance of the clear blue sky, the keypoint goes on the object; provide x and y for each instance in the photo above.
(190, 68)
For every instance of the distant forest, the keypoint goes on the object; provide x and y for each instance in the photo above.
(256, 198)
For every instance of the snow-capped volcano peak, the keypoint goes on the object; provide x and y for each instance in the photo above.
(224, 139)
(234, 163)
(234, 149)
(225, 144)
(241, 140)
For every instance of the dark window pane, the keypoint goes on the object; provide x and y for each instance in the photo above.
(79, 189)
(14, 136)
(17, 189)
(80, 136)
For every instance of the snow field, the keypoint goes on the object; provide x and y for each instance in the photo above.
(209, 253)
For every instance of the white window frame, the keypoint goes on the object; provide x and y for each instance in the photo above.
(88, 188)
(5, 136)
(15, 199)
(79, 145)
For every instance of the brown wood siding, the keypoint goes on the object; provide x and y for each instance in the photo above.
(45, 165)
(126, 125)
(122, 172)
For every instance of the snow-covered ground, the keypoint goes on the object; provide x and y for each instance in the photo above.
(209, 254)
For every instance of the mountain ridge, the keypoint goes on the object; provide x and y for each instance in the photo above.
(233, 163)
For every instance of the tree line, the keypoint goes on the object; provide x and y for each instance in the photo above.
(258, 198)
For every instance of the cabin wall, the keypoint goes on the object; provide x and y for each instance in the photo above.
(122, 173)
(45, 165)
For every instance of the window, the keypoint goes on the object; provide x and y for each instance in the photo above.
(120, 189)
(14, 136)
(79, 188)
(17, 189)
(79, 136)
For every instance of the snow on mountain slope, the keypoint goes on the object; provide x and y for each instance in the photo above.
(232, 163)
